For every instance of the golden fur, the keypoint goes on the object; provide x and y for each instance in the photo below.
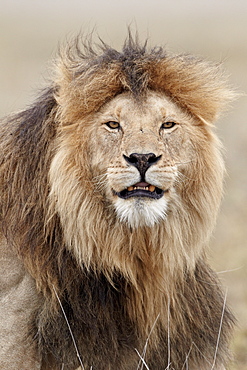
(121, 276)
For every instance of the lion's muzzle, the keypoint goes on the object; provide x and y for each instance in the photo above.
(141, 189)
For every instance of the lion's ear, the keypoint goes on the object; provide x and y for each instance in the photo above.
(197, 85)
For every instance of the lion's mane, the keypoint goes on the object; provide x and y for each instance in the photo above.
(118, 286)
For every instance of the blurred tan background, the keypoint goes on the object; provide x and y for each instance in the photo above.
(30, 31)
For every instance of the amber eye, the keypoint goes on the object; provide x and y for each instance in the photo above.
(167, 125)
(113, 125)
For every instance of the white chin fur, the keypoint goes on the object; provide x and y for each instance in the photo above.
(141, 211)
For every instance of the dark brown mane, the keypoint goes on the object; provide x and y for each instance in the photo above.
(193, 83)
(26, 141)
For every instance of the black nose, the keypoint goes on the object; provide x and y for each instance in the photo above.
(142, 161)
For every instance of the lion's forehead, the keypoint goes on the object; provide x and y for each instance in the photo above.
(146, 111)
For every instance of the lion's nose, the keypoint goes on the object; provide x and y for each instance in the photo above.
(142, 161)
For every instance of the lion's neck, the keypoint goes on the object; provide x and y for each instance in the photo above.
(152, 261)
(150, 267)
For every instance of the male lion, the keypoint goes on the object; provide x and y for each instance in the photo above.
(110, 185)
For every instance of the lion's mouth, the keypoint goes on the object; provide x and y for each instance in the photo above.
(141, 189)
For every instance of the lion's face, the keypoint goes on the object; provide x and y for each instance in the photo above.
(142, 149)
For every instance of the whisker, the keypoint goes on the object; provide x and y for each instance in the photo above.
(186, 162)
(100, 181)
(186, 177)
(232, 270)
(99, 176)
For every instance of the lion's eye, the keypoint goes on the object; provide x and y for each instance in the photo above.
(113, 125)
(167, 125)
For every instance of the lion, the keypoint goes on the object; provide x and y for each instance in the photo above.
(110, 187)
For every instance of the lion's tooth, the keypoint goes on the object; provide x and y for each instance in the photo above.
(130, 188)
(151, 188)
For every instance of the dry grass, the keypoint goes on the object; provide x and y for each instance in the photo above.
(142, 365)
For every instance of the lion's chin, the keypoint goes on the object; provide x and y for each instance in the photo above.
(140, 211)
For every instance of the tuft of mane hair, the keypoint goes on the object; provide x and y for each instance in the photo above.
(124, 290)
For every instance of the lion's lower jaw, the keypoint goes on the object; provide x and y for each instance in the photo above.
(138, 212)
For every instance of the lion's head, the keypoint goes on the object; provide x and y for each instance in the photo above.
(138, 144)
(148, 152)
(136, 149)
